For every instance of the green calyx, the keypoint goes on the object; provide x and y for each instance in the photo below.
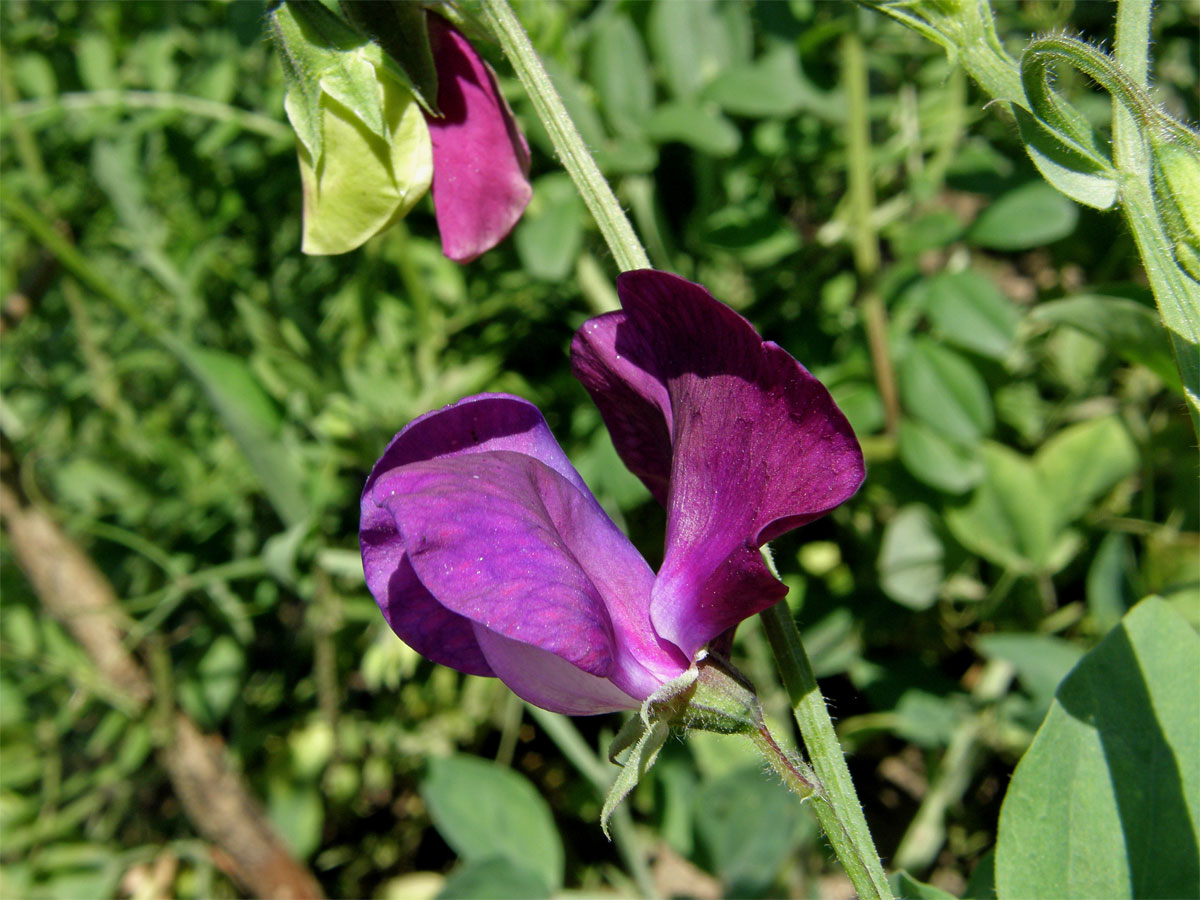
(399, 27)
(710, 696)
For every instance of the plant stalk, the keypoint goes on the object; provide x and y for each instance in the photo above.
(836, 804)
(1178, 296)
(865, 241)
(618, 233)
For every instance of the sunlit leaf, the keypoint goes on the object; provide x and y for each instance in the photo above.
(1105, 802)
(485, 811)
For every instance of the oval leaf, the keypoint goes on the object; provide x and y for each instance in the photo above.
(1025, 217)
(910, 558)
(938, 462)
(1105, 802)
(944, 391)
(485, 811)
(972, 312)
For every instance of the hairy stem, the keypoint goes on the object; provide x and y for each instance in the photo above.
(836, 805)
(626, 249)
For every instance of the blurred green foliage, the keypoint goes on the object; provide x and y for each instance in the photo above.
(198, 403)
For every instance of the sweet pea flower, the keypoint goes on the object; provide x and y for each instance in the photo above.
(369, 152)
(486, 551)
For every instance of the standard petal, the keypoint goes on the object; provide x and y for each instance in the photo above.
(756, 444)
(480, 158)
(633, 400)
(476, 424)
(510, 544)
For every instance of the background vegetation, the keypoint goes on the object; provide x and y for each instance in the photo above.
(197, 405)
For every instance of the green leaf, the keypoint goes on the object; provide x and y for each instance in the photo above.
(1085, 178)
(1040, 660)
(221, 675)
(550, 233)
(620, 74)
(297, 810)
(1083, 462)
(971, 312)
(1009, 519)
(859, 402)
(982, 883)
(484, 810)
(498, 878)
(943, 390)
(757, 233)
(94, 56)
(926, 719)
(908, 888)
(700, 128)
(1109, 588)
(935, 229)
(771, 86)
(1025, 217)
(1018, 514)
(1126, 327)
(1106, 801)
(910, 558)
(748, 823)
(252, 419)
(696, 41)
(938, 462)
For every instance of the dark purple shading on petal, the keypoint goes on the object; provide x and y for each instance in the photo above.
(749, 443)
(509, 543)
(480, 158)
(477, 424)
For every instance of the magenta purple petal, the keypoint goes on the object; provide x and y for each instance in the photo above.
(477, 424)
(746, 442)
(496, 548)
(480, 158)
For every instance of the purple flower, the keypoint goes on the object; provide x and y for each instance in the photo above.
(487, 553)
(480, 158)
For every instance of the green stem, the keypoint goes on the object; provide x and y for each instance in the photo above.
(76, 263)
(968, 32)
(194, 106)
(858, 157)
(626, 249)
(865, 241)
(1177, 295)
(836, 804)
